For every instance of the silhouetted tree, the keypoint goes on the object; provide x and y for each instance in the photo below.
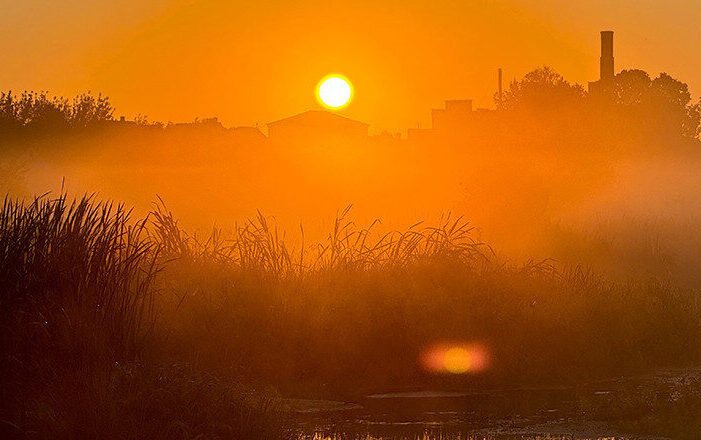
(541, 89)
(8, 112)
(670, 97)
(666, 90)
(88, 109)
(660, 104)
(142, 120)
(692, 125)
(631, 87)
(39, 110)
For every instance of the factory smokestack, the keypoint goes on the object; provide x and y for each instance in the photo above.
(606, 61)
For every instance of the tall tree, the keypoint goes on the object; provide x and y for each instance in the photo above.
(542, 89)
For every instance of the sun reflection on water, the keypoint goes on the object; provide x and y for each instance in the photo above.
(455, 358)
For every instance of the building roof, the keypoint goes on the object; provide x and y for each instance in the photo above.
(319, 118)
(249, 133)
(246, 129)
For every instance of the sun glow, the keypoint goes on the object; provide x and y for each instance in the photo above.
(334, 91)
(454, 358)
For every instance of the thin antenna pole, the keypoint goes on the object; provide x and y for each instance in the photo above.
(500, 89)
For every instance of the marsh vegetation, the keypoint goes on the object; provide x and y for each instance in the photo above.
(113, 324)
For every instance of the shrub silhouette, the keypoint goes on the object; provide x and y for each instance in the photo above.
(40, 111)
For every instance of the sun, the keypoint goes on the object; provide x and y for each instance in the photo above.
(334, 91)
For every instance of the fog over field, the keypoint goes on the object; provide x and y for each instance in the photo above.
(531, 269)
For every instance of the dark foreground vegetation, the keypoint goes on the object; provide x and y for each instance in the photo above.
(116, 328)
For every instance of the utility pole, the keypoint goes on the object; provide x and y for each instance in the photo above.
(500, 89)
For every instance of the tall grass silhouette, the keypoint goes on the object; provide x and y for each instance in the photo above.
(77, 309)
(107, 319)
(258, 245)
(77, 269)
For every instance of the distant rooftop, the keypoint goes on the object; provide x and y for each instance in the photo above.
(314, 118)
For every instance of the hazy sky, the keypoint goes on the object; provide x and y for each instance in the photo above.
(257, 61)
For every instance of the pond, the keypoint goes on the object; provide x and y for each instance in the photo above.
(445, 416)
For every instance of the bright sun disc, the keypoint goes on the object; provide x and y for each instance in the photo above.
(334, 91)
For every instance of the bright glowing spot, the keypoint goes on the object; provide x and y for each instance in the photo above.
(334, 91)
(455, 358)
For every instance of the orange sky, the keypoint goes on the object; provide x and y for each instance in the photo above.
(253, 61)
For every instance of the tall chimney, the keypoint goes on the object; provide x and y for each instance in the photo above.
(606, 61)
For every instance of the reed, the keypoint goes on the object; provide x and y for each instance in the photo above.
(78, 309)
(258, 245)
(77, 268)
(101, 312)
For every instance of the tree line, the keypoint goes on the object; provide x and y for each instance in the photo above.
(39, 110)
(662, 102)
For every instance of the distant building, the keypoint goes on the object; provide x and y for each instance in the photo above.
(121, 123)
(606, 66)
(199, 124)
(457, 113)
(317, 125)
(248, 135)
(419, 134)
